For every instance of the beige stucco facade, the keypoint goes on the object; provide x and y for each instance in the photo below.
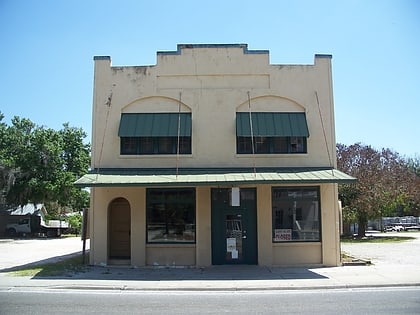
(213, 83)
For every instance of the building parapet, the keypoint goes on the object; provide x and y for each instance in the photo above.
(180, 47)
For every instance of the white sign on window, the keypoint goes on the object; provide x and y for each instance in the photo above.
(283, 234)
(230, 244)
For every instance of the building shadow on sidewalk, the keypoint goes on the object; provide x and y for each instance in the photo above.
(214, 273)
(40, 263)
(165, 273)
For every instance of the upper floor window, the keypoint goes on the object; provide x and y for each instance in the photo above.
(155, 133)
(271, 133)
(271, 145)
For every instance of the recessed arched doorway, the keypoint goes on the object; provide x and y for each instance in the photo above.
(119, 226)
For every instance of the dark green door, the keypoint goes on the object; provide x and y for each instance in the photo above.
(234, 228)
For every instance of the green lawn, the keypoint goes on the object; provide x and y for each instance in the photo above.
(377, 239)
(61, 268)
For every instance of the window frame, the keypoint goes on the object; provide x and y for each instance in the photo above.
(149, 208)
(244, 145)
(284, 235)
(140, 144)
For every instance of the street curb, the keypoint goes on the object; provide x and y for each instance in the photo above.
(214, 289)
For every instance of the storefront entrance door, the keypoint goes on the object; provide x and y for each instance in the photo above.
(119, 229)
(234, 228)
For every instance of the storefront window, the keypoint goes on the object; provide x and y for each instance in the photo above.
(171, 215)
(296, 214)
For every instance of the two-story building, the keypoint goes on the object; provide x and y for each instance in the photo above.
(214, 156)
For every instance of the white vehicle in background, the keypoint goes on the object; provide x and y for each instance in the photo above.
(34, 226)
(394, 228)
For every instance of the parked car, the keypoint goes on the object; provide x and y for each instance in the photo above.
(394, 228)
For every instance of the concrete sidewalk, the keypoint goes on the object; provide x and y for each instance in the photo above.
(386, 271)
(223, 278)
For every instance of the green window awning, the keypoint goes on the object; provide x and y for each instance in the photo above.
(209, 177)
(154, 125)
(272, 124)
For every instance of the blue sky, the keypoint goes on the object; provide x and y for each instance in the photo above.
(47, 49)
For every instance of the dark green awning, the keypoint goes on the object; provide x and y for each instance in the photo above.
(272, 124)
(154, 125)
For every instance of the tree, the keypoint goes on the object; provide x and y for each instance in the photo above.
(385, 183)
(40, 165)
(16, 139)
(364, 197)
(4, 169)
(76, 157)
(75, 222)
(414, 164)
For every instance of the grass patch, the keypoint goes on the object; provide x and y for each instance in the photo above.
(69, 235)
(377, 239)
(346, 257)
(60, 268)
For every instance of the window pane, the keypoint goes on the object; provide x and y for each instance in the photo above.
(171, 215)
(129, 145)
(244, 145)
(271, 145)
(309, 193)
(146, 145)
(294, 193)
(297, 144)
(185, 145)
(280, 145)
(166, 145)
(155, 145)
(262, 144)
(296, 214)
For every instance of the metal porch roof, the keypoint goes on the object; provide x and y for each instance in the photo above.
(208, 177)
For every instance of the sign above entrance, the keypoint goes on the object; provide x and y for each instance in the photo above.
(236, 197)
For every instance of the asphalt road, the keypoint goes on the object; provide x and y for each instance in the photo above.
(402, 300)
